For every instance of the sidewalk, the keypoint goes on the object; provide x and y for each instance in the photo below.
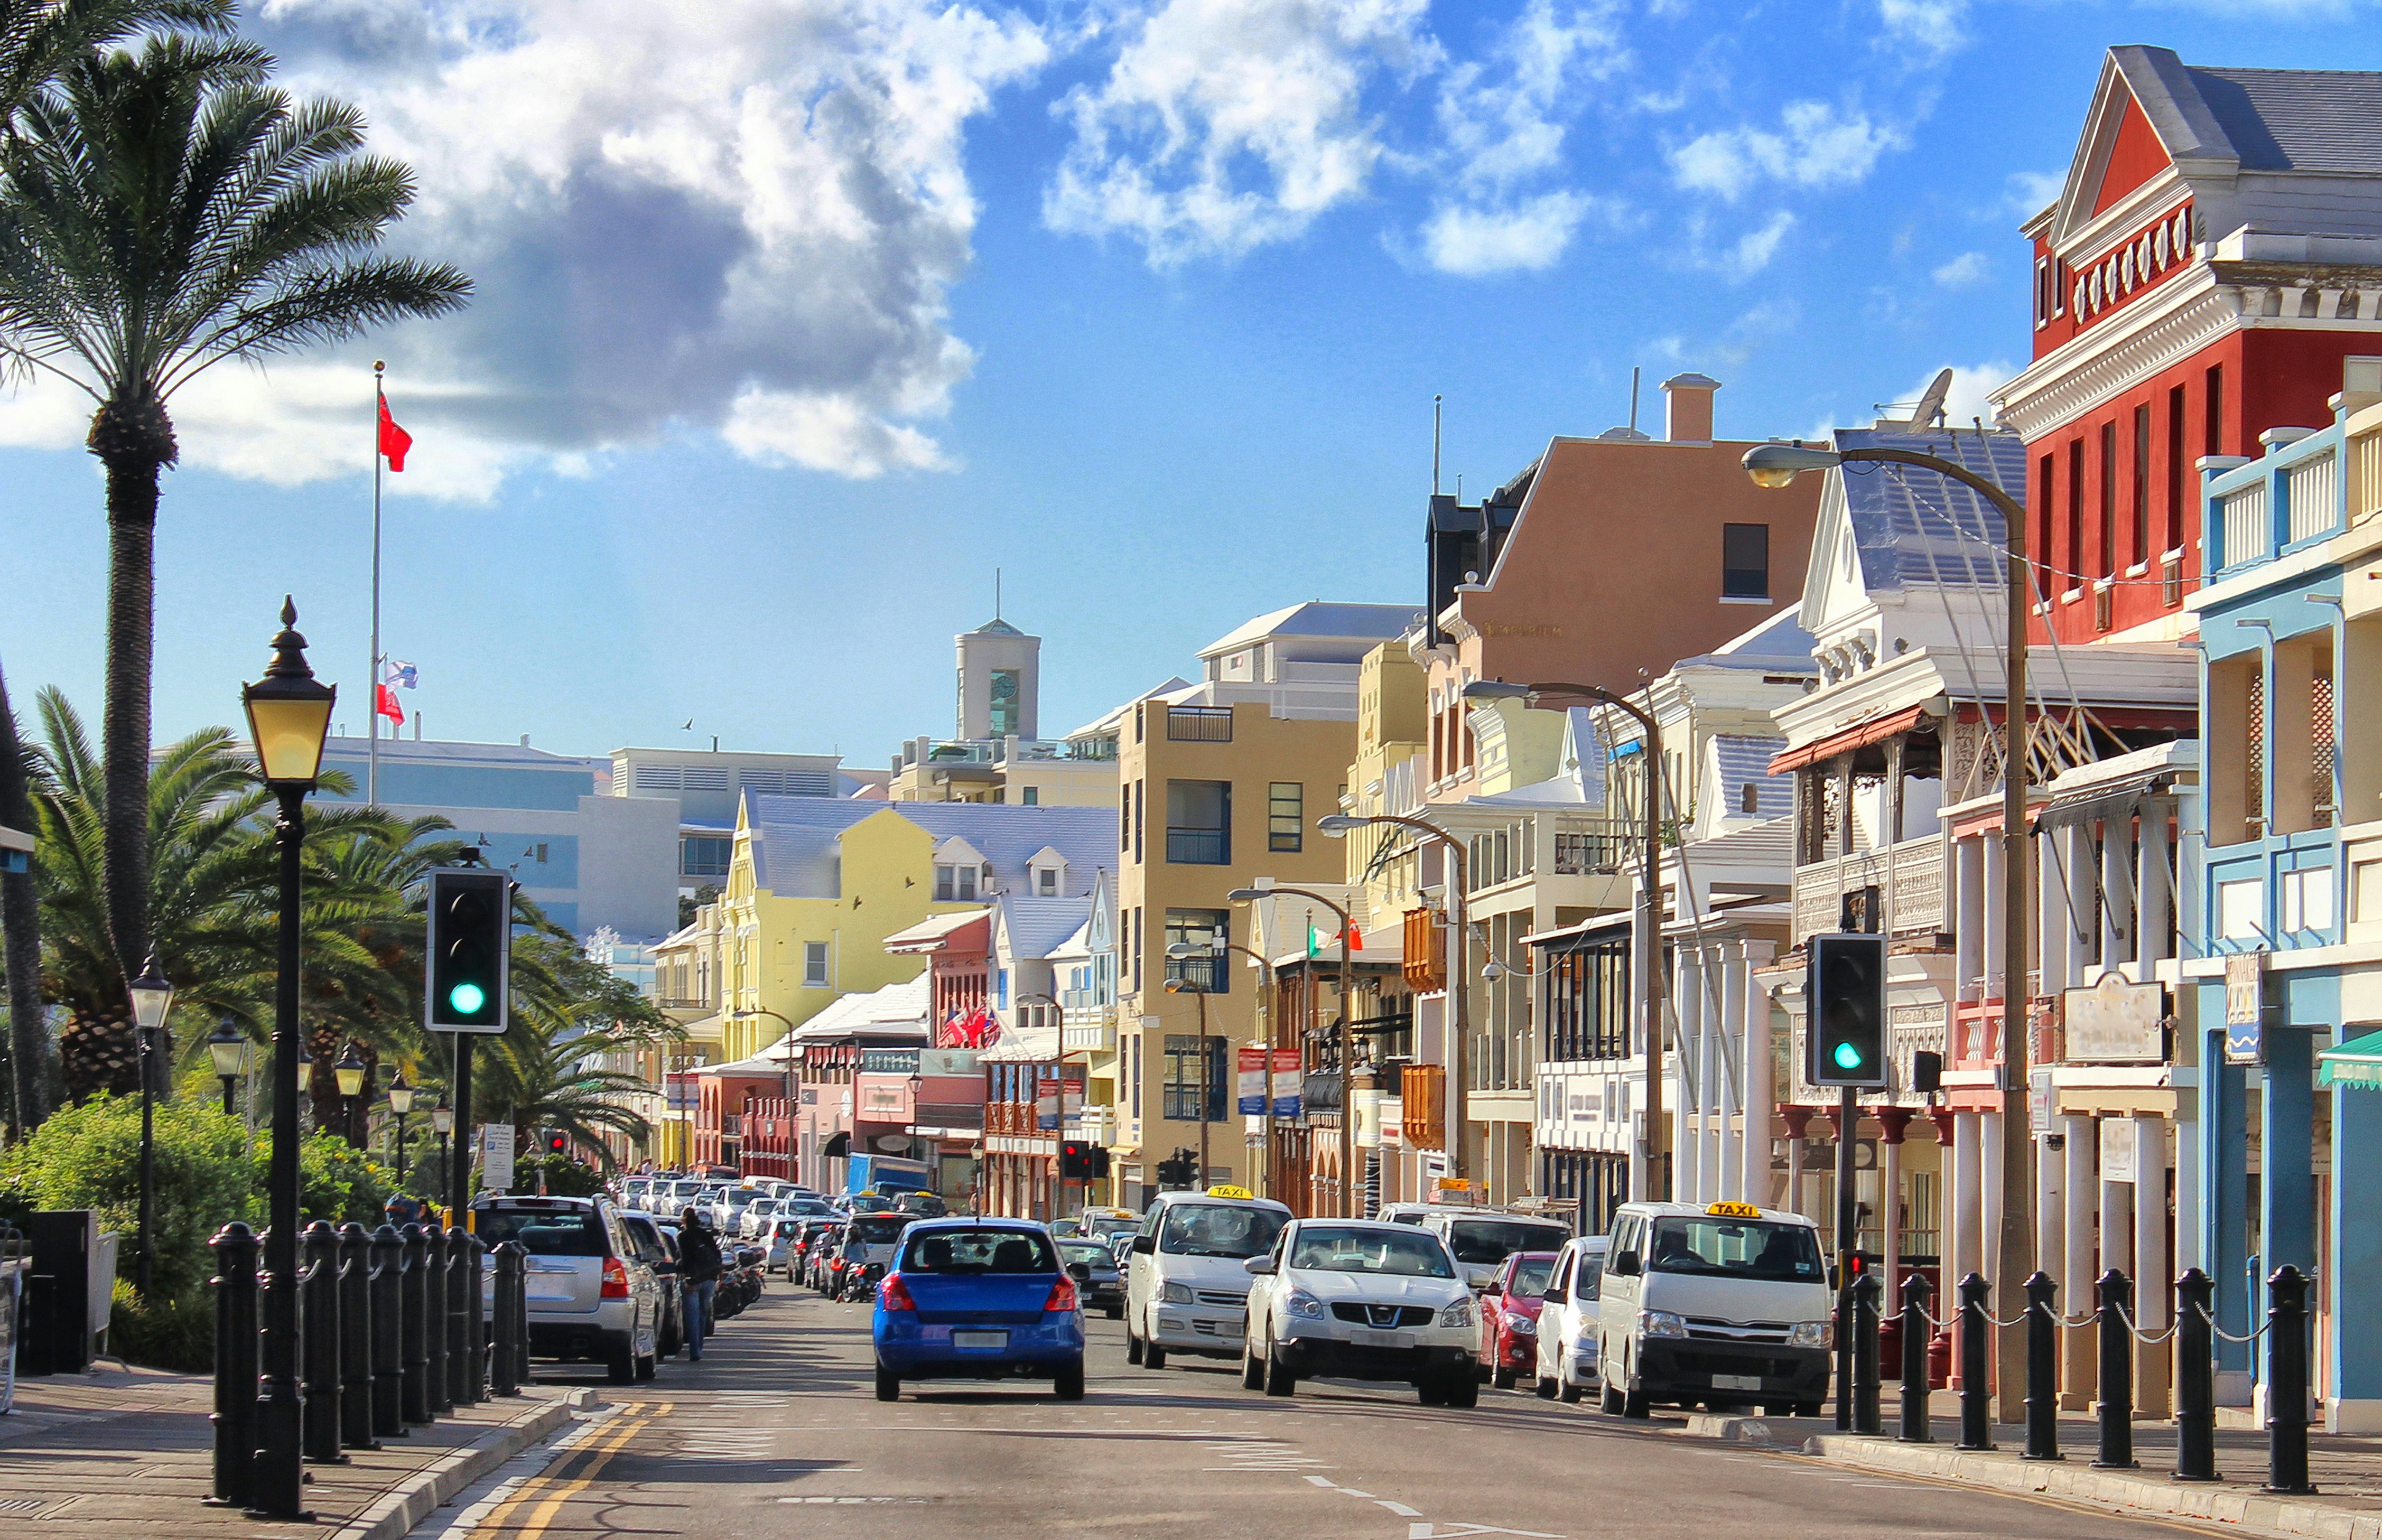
(85, 1454)
(2346, 1470)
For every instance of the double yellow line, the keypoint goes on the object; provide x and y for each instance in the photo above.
(544, 1496)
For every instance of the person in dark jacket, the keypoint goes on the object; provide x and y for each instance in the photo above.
(699, 1266)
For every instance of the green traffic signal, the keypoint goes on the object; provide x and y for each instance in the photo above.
(467, 998)
(1847, 1056)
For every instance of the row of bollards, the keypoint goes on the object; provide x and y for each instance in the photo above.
(392, 1330)
(2287, 1349)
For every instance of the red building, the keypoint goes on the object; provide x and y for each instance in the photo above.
(2213, 259)
(958, 949)
(724, 1098)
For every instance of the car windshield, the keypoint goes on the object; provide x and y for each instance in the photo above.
(1481, 1241)
(566, 1232)
(1530, 1275)
(788, 1227)
(1590, 1282)
(1752, 1249)
(878, 1229)
(1084, 1250)
(1219, 1229)
(980, 1250)
(1332, 1249)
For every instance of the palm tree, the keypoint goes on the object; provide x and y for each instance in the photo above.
(166, 210)
(20, 934)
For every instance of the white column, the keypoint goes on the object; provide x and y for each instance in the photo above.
(1731, 1099)
(2076, 862)
(2155, 910)
(2117, 1242)
(2116, 876)
(1795, 1176)
(1761, 1096)
(1711, 1102)
(1992, 928)
(1989, 1158)
(1963, 1235)
(1890, 1220)
(2050, 915)
(1688, 1117)
(2050, 1207)
(1967, 915)
(2076, 1263)
(2152, 1267)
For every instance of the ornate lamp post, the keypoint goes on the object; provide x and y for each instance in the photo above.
(442, 1123)
(349, 1073)
(151, 997)
(400, 1102)
(227, 1051)
(289, 716)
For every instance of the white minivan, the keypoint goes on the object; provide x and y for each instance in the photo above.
(1568, 1320)
(1186, 1289)
(1724, 1305)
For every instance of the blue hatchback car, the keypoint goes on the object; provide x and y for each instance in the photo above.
(978, 1299)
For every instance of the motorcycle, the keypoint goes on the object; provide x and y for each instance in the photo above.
(860, 1280)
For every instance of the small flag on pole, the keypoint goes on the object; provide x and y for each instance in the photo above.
(394, 441)
(385, 703)
(398, 674)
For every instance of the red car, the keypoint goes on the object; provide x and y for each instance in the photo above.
(1509, 1317)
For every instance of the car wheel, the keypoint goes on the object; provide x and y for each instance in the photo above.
(1503, 1378)
(1429, 1392)
(889, 1385)
(1131, 1345)
(1069, 1385)
(1608, 1400)
(1809, 1409)
(1546, 1388)
(1278, 1380)
(622, 1363)
(1115, 1313)
(1152, 1356)
(1635, 1406)
(1463, 1392)
(647, 1365)
(1566, 1391)
(1252, 1370)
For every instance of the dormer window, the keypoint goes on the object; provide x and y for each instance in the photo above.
(1046, 873)
(954, 883)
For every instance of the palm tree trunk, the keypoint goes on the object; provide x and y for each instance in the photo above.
(125, 732)
(20, 945)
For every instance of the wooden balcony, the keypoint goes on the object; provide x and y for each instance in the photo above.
(1911, 880)
(1426, 951)
(1422, 1108)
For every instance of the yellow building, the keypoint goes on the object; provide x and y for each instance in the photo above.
(816, 886)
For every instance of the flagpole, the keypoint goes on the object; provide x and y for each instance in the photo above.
(371, 674)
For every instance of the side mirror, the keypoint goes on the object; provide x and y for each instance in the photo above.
(1080, 1271)
(1260, 1266)
(1623, 1264)
(1556, 1296)
(1144, 1244)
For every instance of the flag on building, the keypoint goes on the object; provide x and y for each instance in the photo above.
(394, 441)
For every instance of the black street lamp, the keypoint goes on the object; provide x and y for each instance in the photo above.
(227, 1049)
(289, 716)
(348, 1073)
(151, 997)
(442, 1123)
(400, 1102)
(1207, 1092)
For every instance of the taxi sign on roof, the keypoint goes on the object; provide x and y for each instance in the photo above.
(1225, 1191)
(1735, 1210)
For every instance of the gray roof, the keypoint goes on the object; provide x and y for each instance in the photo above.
(1778, 645)
(1036, 927)
(1320, 618)
(401, 749)
(1743, 760)
(2267, 119)
(1915, 527)
(797, 856)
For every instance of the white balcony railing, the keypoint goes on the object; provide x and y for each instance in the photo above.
(1090, 1029)
(1909, 878)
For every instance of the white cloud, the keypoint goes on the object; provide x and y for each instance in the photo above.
(1749, 253)
(741, 217)
(2032, 191)
(1967, 268)
(1815, 147)
(1473, 242)
(1935, 26)
(1224, 125)
(1971, 397)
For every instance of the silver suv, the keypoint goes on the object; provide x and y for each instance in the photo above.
(592, 1294)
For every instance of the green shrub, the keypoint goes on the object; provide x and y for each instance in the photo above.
(565, 1177)
(89, 1156)
(335, 1180)
(172, 1331)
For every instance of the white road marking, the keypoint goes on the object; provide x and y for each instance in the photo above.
(1401, 1510)
(1321, 1482)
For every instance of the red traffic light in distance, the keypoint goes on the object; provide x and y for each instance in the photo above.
(557, 1142)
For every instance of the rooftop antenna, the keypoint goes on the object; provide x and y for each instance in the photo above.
(1633, 400)
(996, 593)
(1435, 450)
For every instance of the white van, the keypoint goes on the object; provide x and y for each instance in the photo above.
(1186, 1291)
(1724, 1305)
(1483, 1238)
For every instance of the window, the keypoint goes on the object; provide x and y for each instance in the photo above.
(2072, 559)
(2046, 484)
(1202, 928)
(1045, 882)
(2044, 279)
(2305, 900)
(1199, 723)
(1745, 561)
(814, 964)
(1031, 795)
(2172, 538)
(2237, 910)
(1002, 719)
(1133, 944)
(1140, 808)
(2141, 485)
(2108, 508)
(1200, 823)
(1285, 819)
(2212, 433)
(1193, 1077)
(702, 855)
(956, 885)
(1136, 1077)
(1125, 820)
(1000, 989)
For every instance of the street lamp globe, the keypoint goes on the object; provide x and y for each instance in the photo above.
(350, 1072)
(1777, 465)
(1338, 824)
(442, 1118)
(227, 1050)
(1497, 690)
(400, 1096)
(289, 711)
(152, 997)
(1248, 895)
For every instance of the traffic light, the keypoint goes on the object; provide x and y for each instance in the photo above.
(557, 1142)
(469, 943)
(1847, 994)
(1074, 1160)
(1100, 1163)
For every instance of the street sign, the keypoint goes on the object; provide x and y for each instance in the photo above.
(2038, 1101)
(2117, 1149)
(497, 1157)
(2245, 1001)
(1250, 1073)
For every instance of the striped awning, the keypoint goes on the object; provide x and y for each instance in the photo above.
(1875, 731)
(2356, 1064)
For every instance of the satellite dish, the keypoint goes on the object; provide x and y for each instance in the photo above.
(1930, 410)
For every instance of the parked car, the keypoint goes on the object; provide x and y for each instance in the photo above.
(756, 1219)
(1509, 1317)
(727, 1210)
(868, 1242)
(1102, 1283)
(591, 1294)
(659, 1249)
(1483, 1238)
(926, 1205)
(1565, 1364)
(978, 1299)
(1726, 1305)
(779, 1246)
(1357, 1299)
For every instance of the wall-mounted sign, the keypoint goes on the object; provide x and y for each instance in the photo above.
(2117, 1149)
(2245, 1002)
(2038, 1101)
(2114, 1020)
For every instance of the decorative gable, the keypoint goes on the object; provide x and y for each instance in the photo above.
(2134, 156)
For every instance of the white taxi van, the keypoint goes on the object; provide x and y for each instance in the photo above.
(1724, 1305)
(1186, 1291)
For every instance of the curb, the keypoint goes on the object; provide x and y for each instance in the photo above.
(2236, 1504)
(1776, 1432)
(394, 1514)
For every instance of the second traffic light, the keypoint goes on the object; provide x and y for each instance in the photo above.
(1845, 995)
(468, 941)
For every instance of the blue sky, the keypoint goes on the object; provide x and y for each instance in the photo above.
(798, 318)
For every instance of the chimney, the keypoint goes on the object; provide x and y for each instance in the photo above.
(1689, 417)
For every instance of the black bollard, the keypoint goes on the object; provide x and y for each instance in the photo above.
(2117, 1374)
(475, 1271)
(2195, 1378)
(1866, 1290)
(2287, 1382)
(387, 1333)
(236, 1366)
(355, 1337)
(504, 1372)
(462, 1390)
(433, 1320)
(318, 1335)
(1917, 1337)
(412, 1276)
(1976, 1353)
(2041, 1369)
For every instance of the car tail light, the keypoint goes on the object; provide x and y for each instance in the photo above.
(616, 1278)
(1062, 1295)
(895, 1294)
(835, 1264)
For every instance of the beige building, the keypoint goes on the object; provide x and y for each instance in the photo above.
(998, 754)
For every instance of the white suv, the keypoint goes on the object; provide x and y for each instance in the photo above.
(1357, 1299)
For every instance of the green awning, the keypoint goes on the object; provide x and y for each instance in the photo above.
(2356, 1064)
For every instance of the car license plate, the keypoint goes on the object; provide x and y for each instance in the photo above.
(980, 1340)
(1736, 1382)
(1378, 1339)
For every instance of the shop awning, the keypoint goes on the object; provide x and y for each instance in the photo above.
(838, 1147)
(1845, 742)
(2092, 804)
(2356, 1064)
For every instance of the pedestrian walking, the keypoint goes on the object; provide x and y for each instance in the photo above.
(699, 1268)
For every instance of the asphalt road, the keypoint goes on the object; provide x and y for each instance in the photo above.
(776, 1433)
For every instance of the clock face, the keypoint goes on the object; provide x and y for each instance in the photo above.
(1004, 687)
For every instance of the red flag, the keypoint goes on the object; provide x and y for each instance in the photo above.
(384, 699)
(394, 441)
